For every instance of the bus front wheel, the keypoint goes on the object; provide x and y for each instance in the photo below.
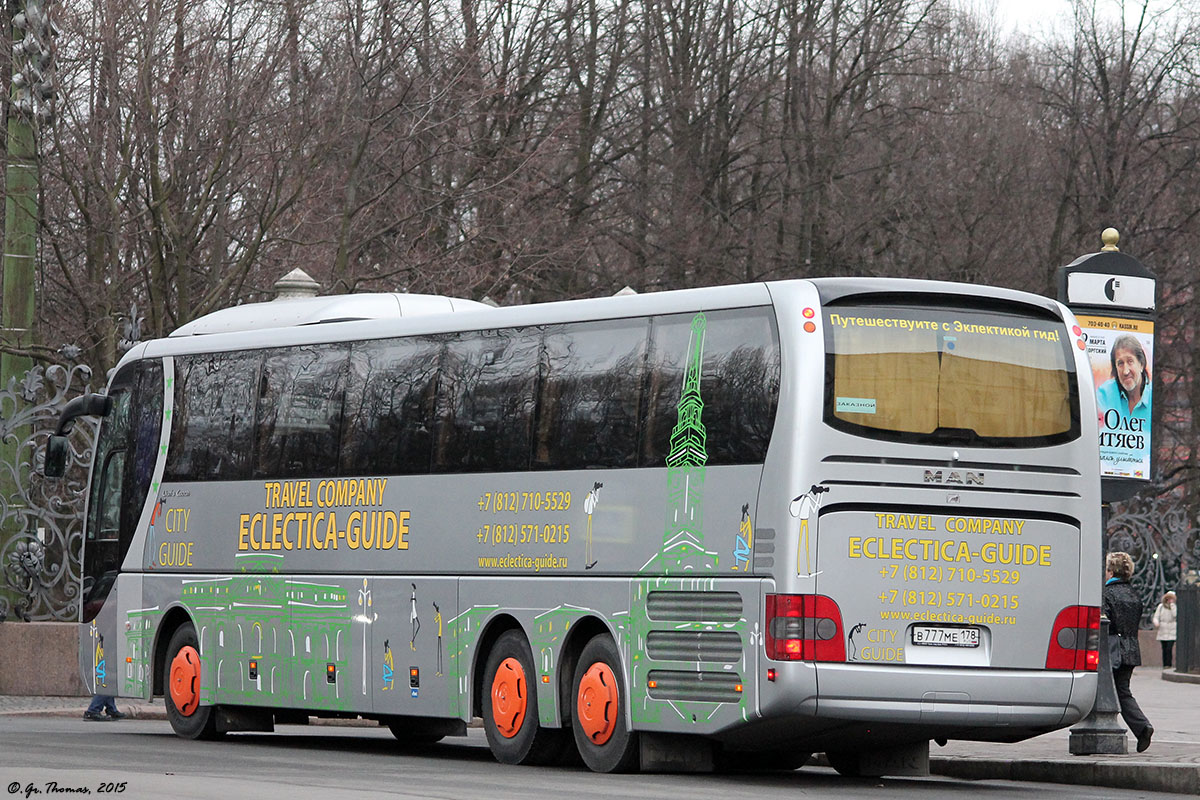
(510, 706)
(187, 716)
(598, 718)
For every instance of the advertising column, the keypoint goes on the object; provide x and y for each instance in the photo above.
(1113, 298)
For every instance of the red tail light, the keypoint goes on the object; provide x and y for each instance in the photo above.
(1075, 639)
(804, 627)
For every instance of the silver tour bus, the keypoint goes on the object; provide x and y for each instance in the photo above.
(719, 527)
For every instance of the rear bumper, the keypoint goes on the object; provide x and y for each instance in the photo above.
(955, 698)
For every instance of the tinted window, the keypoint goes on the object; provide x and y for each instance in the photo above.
(390, 407)
(485, 402)
(300, 411)
(589, 401)
(146, 432)
(729, 408)
(126, 452)
(739, 383)
(112, 478)
(212, 433)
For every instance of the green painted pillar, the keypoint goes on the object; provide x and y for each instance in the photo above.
(30, 84)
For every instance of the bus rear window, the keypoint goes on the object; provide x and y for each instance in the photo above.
(948, 375)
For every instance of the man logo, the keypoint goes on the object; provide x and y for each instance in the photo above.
(962, 478)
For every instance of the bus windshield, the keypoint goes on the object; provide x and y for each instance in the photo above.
(940, 374)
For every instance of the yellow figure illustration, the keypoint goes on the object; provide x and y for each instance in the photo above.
(803, 545)
(743, 545)
(389, 665)
(101, 669)
(806, 507)
(437, 619)
(589, 505)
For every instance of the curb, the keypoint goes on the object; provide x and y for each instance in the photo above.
(131, 712)
(1180, 677)
(1141, 775)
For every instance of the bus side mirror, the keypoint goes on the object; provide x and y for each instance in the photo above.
(88, 405)
(58, 448)
(56, 456)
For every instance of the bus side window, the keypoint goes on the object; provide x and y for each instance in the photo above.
(299, 417)
(389, 417)
(485, 402)
(103, 552)
(212, 431)
(590, 396)
(112, 482)
(739, 384)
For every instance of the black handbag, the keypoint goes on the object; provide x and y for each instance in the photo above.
(1114, 651)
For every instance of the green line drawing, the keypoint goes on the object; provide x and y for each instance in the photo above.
(683, 540)
(465, 630)
(293, 628)
(139, 639)
(636, 628)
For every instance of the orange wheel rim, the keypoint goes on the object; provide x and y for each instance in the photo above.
(185, 680)
(509, 697)
(598, 703)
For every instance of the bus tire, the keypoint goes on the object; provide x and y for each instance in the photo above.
(187, 716)
(598, 712)
(510, 706)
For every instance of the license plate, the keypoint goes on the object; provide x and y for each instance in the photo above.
(940, 636)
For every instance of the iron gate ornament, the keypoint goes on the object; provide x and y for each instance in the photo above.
(41, 524)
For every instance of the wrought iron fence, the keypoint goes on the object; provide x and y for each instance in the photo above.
(41, 521)
(1163, 541)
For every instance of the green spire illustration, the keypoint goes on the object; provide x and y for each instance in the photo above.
(683, 542)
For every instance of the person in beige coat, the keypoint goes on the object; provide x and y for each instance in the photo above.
(1164, 624)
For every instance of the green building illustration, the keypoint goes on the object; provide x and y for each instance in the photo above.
(271, 640)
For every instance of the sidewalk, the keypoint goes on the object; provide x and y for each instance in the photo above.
(1172, 764)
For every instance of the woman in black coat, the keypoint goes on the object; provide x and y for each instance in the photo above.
(1123, 608)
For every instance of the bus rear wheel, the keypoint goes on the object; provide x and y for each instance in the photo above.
(510, 706)
(598, 715)
(187, 716)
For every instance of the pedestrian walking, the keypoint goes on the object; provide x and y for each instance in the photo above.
(103, 708)
(1123, 608)
(1164, 625)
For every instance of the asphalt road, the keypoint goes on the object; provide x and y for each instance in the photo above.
(48, 757)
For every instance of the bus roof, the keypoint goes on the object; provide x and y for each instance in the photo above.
(278, 330)
(376, 316)
(317, 310)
